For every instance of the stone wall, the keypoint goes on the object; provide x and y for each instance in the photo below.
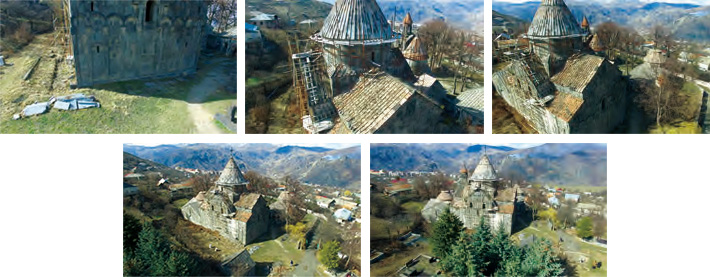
(416, 116)
(604, 105)
(124, 40)
(554, 52)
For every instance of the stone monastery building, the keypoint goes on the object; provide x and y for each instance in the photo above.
(130, 39)
(560, 86)
(373, 87)
(229, 209)
(480, 197)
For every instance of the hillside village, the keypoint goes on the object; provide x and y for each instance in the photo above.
(234, 223)
(397, 68)
(410, 210)
(71, 66)
(639, 76)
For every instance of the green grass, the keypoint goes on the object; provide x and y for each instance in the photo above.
(180, 202)
(271, 251)
(120, 113)
(413, 207)
(593, 252)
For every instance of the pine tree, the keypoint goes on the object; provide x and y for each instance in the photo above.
(539, 260)
(483, 254)
(446, 232)
(131, 229)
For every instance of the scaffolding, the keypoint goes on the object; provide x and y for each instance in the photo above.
(314, 103)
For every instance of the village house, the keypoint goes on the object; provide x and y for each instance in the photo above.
(264, 20)
(239, 264)
(129, 189)
(325, 202)
(398, 188)
(124, 40)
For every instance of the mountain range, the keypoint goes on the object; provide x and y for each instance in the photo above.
(320, 165)
(570, 164)
(686, 20)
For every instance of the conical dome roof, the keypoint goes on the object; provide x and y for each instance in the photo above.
(355, 20)
(484, 171)
(415, 50)
(585, 22)
(553, 19)
(231, 175)
(407, 19)
(445, 195)
(596, 44)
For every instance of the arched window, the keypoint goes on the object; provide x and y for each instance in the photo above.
(92, 6)
(603, 104)
(373, 56)
(148, 10)
(484, 206)
(97, 49)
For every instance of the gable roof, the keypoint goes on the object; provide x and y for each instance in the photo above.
(565, 106)
(365, 108)
(247, 201)
(553, 19)
(356, 20)
(579, 70)
(415, 50)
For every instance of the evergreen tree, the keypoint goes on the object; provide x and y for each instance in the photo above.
(131, 229)
(483, 255)
(446, 233)
(153, 256)
(584, 227)
(458, 262)
(328, 256)
(538, 260)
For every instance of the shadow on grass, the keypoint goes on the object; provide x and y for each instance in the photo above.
(210, 66)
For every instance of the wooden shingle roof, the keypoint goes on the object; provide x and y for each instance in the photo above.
(578, 72)
(355, 20)
(553, 19)
(372, 101)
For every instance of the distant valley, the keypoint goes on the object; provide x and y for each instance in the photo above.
(335, 167)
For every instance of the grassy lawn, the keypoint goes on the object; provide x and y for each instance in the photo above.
(180, 202)
(413, 207)
(383, 229)
(140, 106)
(277, 250)
(592, 252)
(389, 265)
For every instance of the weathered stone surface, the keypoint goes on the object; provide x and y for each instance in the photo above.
(123, 40)
(228, 209)
(480, 198)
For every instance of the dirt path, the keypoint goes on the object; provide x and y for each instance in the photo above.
(308, 265)
(203, 119)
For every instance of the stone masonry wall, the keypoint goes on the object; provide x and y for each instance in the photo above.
(118, 40)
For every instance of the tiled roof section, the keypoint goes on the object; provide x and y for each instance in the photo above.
(506, 209)
(471, 99)
(506, 195)
(231, 175)
(356, 20)
(578, 72)
(247, 201)
(585, 22)
(565, 106)
(415, 50)
(372, 101)
(241, 260)
(484, 170)
(554, 19)
(242, 216)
